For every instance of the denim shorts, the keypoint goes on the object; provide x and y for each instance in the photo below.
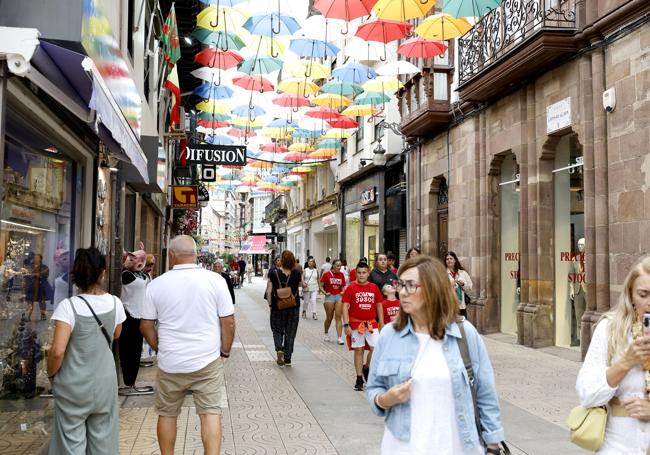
(332, 298)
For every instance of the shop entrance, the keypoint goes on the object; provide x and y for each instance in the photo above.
(569, 254)
(371, 236)
(509, 197)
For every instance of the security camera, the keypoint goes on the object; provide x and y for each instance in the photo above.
(609, 100)
(362, 163)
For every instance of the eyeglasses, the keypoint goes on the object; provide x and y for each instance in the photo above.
(410, 286)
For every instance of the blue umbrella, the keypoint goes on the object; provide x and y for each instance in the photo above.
(308, 134)
(354, 72)
(244, 110)
(281, 123)
(271, 179)
(271, 24)
(310, 47)
(213, 92)
(279, 169)
(219, 139)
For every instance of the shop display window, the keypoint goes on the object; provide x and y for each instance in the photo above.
(569, 241)
(510, 271)
(352, 238)
(36, 228)
(371, 236)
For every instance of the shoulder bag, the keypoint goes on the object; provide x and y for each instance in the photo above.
(101, 326)
(587, 426)
(285, 296)
(467, 360)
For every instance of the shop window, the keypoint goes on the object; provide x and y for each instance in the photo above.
(36, 237)
(371, 236)
(352, 237)
(510, 270)
(569, 242)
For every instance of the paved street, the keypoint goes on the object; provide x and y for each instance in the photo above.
(311, 407)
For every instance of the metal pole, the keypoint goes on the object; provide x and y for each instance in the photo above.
(3, 105)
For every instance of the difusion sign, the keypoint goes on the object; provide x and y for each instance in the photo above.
(231, 155)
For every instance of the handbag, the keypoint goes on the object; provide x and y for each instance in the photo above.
(285, 296)
(587, 426)
(467, 360)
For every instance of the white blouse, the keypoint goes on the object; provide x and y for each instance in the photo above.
(433, 416)
(624, 435)
(463, 276)
(311, 279)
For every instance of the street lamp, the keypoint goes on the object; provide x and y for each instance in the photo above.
(379, 153)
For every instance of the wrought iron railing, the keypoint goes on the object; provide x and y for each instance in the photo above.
(505, 28)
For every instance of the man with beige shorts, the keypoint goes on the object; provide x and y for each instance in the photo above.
(196, 328)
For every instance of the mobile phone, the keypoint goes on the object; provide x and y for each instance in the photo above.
(646, 324)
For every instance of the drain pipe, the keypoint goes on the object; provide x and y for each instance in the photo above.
(418, 196)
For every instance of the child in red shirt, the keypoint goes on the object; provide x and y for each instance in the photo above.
(332, 284)
(362, 310)
(391, 303)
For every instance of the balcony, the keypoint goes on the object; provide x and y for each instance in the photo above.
(512, 43)
(424, 102)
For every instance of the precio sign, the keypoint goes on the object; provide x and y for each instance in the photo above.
(232, 155)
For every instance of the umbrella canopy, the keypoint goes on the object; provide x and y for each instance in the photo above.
(402, 10)
(383, 84)
(397, 67)
(245, 122)
(362, 50)
(307, 68)
(220, 39)
(325, 113)
(213, 124)
(301, 147)
(325, 28)
(342, 88)
(212, 91)
(310, 47)
(271, 24)
(421, 48)
(331, 100)
(236, 132)
(223, 18)
(253, 83)
(374, 98)
(333, 143)
(324, 154)
(310, 135)
(344, 9)
(469, 8)
(295, 156)
(298, 86)
(354, 72)
(383, 31)
(260, 65)
(218, 58)
(338, 133)
(219, 139)
(360, 110)
(212, 75)
(244, 110)
(341, 122)
(301, 169)
(264, 45)
(213, 107)
(281, 123)
(289, 100)
(443, 27)
(274, 147)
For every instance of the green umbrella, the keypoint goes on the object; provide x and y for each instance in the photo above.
(342, 88)
(329, 144)
(260, 65)
(221, 39)
(211, 116)
(371, 98)
(469, 8)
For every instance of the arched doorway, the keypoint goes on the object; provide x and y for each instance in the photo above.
(439, 217)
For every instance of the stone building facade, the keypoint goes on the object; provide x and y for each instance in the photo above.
(541, 191)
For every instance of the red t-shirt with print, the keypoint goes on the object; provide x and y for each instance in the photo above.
(391, 310)
(333, 283)
(353, 275)
(363, 300)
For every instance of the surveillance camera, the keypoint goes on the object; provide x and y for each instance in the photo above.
(609, 100)
(362, 162)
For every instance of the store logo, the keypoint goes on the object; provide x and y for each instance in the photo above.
(368, 196)
(231, 155)
(185, 197)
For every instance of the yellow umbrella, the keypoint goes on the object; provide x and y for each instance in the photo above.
(245, 121)
(386, 84)
(263, 43)
(250, 177)
(214, 107)
(301, 170)
(276, 133)
(323, 154)
(442, 27)
(307, 68)
(331, 100)
(259, 164)
(298, 86)
(402, 10)
(360, 110)
(223, 18)
(338, 133)
(300, 147)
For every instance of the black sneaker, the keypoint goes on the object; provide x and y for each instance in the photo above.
(287, 362)
(359, 384)
(366, 372)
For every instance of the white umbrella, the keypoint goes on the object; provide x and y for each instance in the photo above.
(213, 75)
(320, 27)
(362, 50)
(396, 68)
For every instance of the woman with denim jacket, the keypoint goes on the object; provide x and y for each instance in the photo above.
(418, 381)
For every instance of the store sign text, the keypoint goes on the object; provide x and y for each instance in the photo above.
(368, 196)
(232, 155)
(569, 256)
(185, 197)
(512, 257)
(558, 115)
(329, 220)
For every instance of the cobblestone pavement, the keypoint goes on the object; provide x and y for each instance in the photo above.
(311, 408)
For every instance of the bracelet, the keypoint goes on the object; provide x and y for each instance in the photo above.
(225, 355)
(346, 325)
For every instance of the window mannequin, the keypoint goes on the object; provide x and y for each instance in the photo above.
(577, 291)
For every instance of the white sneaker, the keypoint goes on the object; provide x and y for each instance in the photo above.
(326, 338)
(341, 341)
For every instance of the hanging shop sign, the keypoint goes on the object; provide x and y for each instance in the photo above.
(369, 196)
(329, 220)
(231, 155)
(204, 194)
(558, 116)
(209, 173)
(185, 197)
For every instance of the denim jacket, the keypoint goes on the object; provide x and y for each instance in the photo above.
(392, 362)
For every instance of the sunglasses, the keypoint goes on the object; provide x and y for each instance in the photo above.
(410, 286)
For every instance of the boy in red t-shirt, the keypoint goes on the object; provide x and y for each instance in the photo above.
(362, 310)
(332, 284)
(391, 303)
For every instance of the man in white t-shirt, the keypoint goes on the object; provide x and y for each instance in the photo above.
(196, 328)
(327, 266)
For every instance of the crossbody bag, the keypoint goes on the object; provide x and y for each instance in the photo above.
(101, 326)
(467, 360)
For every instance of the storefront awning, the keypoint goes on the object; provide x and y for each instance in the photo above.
(255, 244)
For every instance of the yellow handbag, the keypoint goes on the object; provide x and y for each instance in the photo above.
(587, 426)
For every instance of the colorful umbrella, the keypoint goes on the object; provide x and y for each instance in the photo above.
(281, 123)
(361, 50)
(396, 68)
(310, 47)
(298, 170)
(301, 147)
(310, 135)
(271, 24)
(334, 143)
(217, 58)
(289, 100)
(374, 98)
(264, 45)
(341, 122)
(220, 39)
(245, 110)
(344, 9)
(307, 68)
(323, 154)
(295, 156)
(246, 122)
(342, 88)
(331, 100)
(212, 91)
(360, 110)
(325, 113)
(402, 10)
(298, 87)
(421, 48)
(213, 124)
(354, 72)
(237, 132)
(274, 147)
(218, 139)
(260, 65)
(338, 133)
(223, 18)
(469, 8)
(383, 84)
(253, 83)
(383, 31)
(214, 107)
(212, 75)
(443, 27)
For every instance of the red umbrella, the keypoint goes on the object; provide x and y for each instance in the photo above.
(295, 156)
(218, 58)
(289, 100)
(254, 83)
(344, 9)
(383, 31)
(274, 147)
(343, 122)
(326, 113)
(421, 48)
(236, 132)
(213, 123)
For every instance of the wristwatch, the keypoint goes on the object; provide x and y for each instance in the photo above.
(494, 450)
(224, 355)
(346, 325)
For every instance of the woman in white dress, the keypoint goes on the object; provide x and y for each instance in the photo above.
(615, 370)
(310, 287)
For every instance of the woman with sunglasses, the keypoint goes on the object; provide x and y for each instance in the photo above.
(418, 381)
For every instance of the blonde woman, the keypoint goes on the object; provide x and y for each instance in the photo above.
(613, 372)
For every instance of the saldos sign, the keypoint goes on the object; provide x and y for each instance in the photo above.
(232, 155)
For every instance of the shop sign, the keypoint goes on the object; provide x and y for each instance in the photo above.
(21, 213)
(208, 173)
(558, 115)
(329, 220)
(185, 197)
(231, 155)
(204, 194)
(368, 196)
